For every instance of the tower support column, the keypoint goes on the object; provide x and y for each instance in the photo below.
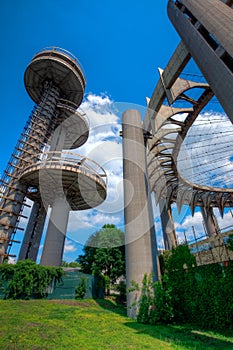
(210, 221)
(207, 35)
(32, 237)
(141, 251)
(56, 233)
(168, 227)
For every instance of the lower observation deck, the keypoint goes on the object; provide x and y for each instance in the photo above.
(79, 180)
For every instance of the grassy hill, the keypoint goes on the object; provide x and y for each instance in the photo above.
(89, 324)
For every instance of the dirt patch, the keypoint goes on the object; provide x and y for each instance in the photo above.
(33, 324)
(70, 302)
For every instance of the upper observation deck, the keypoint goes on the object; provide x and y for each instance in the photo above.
(59, 66)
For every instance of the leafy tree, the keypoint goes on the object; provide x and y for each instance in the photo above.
(71, 264)
(104, 253)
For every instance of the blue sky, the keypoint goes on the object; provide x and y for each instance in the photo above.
(120, 45)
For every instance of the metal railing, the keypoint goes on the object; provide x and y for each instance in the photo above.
(70, 159)
(66, 53)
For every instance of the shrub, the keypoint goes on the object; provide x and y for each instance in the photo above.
(146, 300)
(26, 279)
(200, 295)
(162, 310)
(81, 289)
(121, 288)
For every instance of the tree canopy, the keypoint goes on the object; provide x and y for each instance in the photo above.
(104, 253)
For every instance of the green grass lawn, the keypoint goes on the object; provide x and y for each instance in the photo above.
(89, 324)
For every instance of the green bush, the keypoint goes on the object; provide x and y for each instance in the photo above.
(162, 309)
(121, 289)
(146, 300)
(200, 295)
(154, 305)
(26, 279)
(81, 289)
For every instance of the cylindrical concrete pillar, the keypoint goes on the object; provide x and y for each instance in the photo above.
(210, 221)
(141, 250)
(56, 233)
(32, 237)
(209, 41)
(58, 139)
(168, 227)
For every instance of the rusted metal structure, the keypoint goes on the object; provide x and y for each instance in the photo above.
(42, 168)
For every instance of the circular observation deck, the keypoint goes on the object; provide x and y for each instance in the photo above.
(75, 123)
(81, 181)
(59, 66)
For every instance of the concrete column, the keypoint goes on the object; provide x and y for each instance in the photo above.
(141, 250)
(168, 228)
(210, 221)
(58, 139)
(56, 233)
(32, 237)
(212, 57)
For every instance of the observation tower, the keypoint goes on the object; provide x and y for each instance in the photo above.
(43, 167)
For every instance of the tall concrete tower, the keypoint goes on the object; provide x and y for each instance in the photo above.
(42, 168)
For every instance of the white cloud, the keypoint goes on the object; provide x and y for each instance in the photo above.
(226, 221)
(190, 221)
(96, 100)
(90, 219)
(69, 247)
(197, 223)
(186, 227)
(103, 147)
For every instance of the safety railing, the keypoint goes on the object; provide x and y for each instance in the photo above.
(70, 159)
